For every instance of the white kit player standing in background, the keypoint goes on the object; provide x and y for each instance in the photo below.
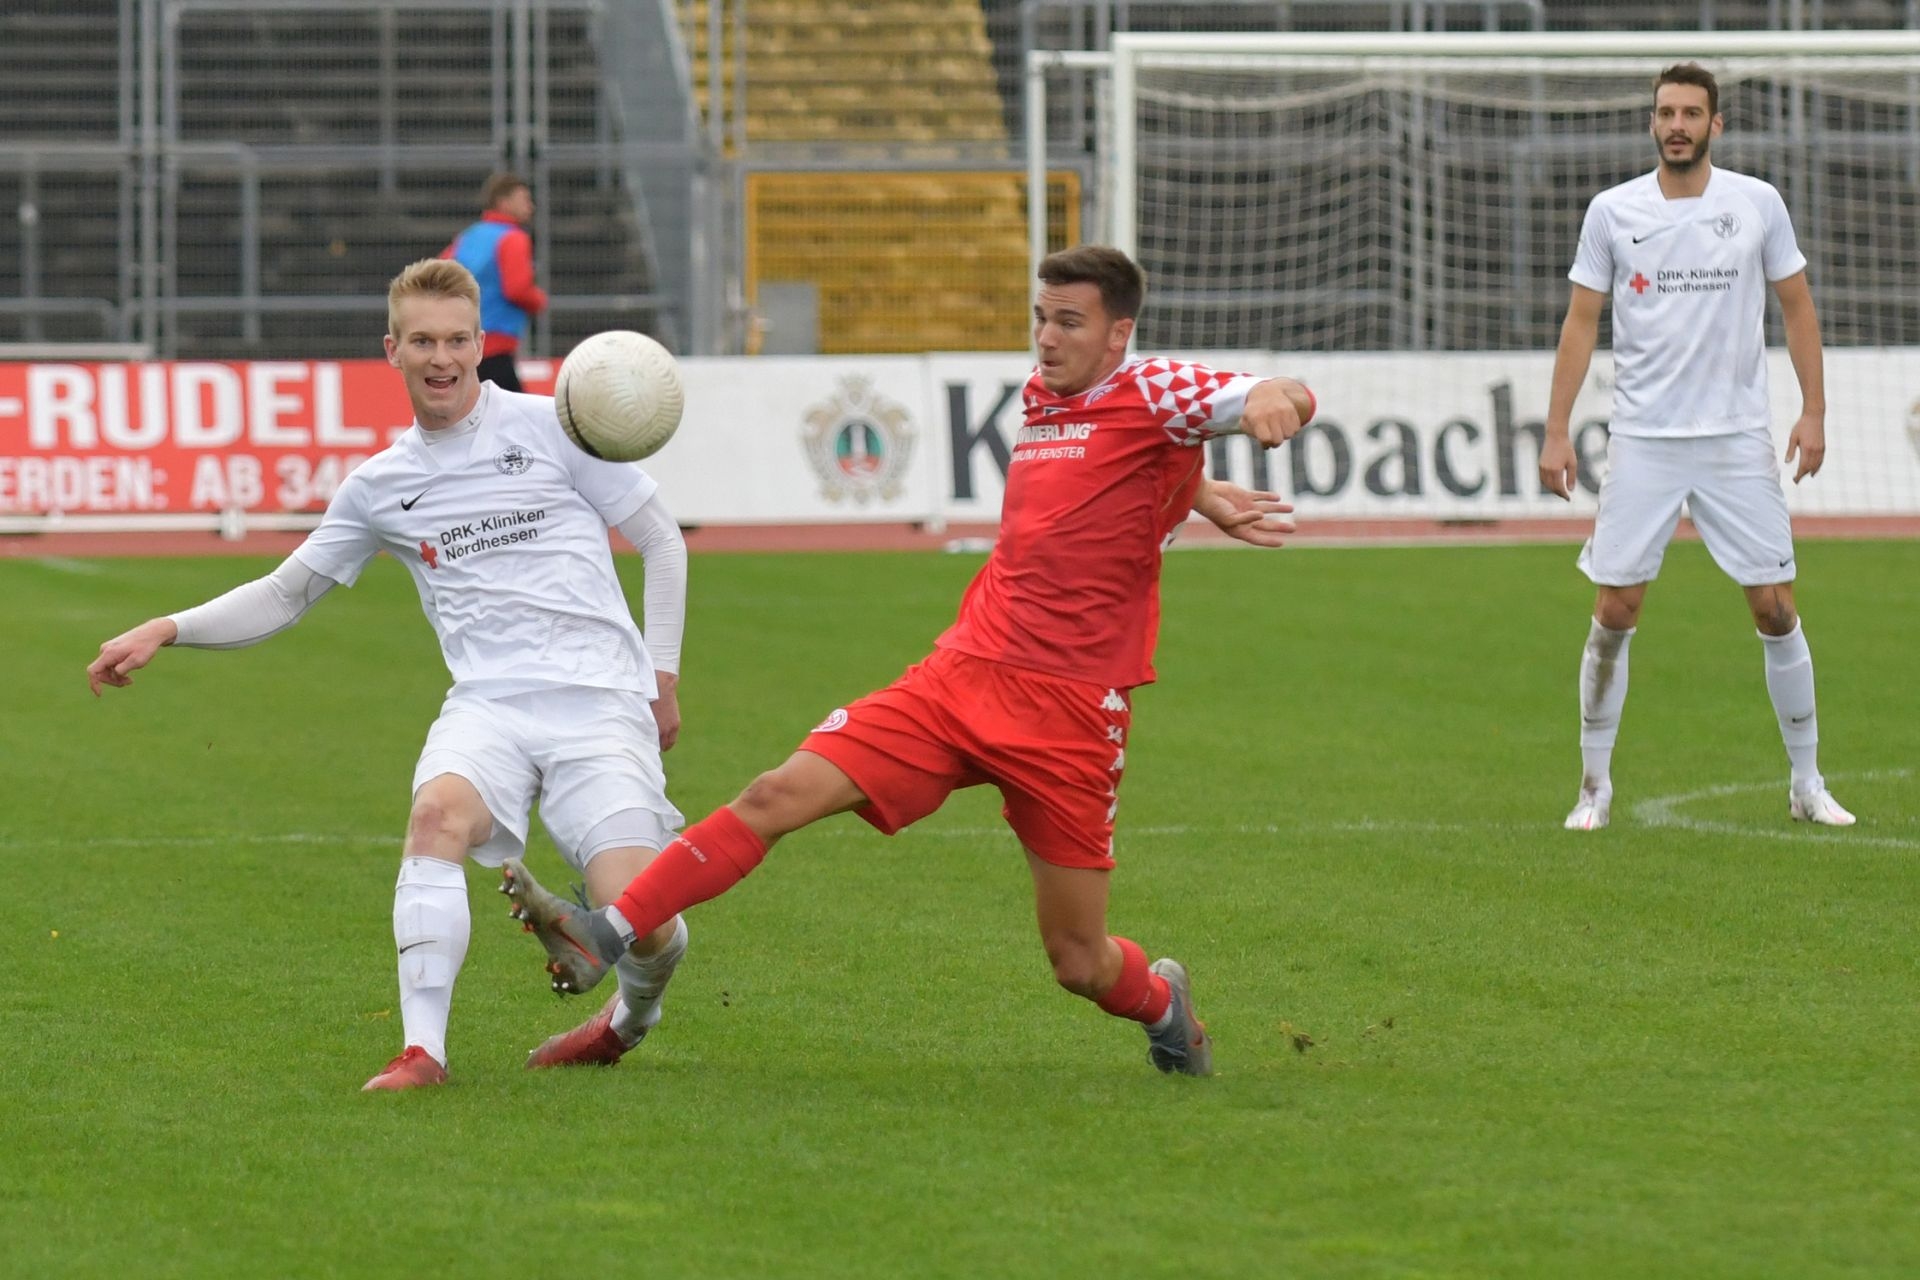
(1686, 253)
(503, 524)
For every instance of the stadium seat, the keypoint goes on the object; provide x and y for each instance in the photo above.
(901, 261)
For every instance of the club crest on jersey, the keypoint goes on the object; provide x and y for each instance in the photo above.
(859, 443)
(836, 719)
(512, 461)
(1726, 226)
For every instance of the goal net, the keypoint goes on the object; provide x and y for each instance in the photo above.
(1409, 206)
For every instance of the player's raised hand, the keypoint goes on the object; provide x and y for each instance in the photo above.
(1276, 410)
(1251, 515)
(666, 709)
(1559, 469)
(1808, 440)
(126, 653)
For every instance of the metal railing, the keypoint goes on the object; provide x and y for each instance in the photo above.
(191, 210)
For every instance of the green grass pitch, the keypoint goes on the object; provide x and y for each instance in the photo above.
(1453, 1039)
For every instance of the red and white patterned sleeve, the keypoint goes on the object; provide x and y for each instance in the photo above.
(1191, 402)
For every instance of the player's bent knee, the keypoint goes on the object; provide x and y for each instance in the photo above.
(1077, 965)
(768, 801)
(1619, 610)
(441, 828)
(1772, 608)
(803, 790)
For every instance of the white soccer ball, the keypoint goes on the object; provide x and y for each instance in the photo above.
(619, 395)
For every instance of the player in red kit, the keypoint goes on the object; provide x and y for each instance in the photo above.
(1029, 689)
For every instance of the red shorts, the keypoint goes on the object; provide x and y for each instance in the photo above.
(1054, 747)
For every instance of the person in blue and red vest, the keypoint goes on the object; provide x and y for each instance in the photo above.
(499, 252)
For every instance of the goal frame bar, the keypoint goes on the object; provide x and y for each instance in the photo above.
(1743, 51)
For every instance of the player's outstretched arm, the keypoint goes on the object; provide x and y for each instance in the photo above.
(129, 651)
(1251, 515)
(1808, 439)
(246, 615)
(1276, 410)
(1559, 469)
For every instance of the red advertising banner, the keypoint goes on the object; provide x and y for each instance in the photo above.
(191, 437)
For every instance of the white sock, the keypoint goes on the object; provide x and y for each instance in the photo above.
(1603, 692)
(620, 925)
(431, 926)
(1790, 685)
(643, 981)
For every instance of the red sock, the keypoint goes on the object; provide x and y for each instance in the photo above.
(704, 861)
(1138, 993)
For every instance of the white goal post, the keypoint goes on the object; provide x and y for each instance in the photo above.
(1405, 206)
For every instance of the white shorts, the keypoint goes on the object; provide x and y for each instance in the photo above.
(587, 754)
(1731, 487)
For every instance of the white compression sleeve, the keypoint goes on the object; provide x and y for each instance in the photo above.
(656, 536)
(253, 610)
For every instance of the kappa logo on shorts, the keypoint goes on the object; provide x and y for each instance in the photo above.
(836, 719)
(1113, 701)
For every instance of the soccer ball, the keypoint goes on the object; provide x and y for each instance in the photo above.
(619, 395)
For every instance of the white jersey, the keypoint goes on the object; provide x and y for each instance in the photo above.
(1689, 283)
(506, 540)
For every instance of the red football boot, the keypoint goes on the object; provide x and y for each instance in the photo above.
(594, 1043)
(410, 1070)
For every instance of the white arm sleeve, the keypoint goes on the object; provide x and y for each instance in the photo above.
(656, 536)
(253, 610)
(1593, 260)
(1780, 254)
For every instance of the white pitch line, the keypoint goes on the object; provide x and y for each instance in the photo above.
(1663, 811)
(1659, 811)
(67, 564)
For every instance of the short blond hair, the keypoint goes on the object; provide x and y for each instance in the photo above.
(431, 278)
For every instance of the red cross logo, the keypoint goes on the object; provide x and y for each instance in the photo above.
(1639, 283)
(430, 555)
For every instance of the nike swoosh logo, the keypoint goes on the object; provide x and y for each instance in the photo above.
(1651, 234)
(406, 504)
(1800, 719)
(411, 945)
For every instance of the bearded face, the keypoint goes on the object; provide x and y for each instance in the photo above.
(1683, 125)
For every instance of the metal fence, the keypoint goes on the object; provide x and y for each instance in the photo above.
(242, 177)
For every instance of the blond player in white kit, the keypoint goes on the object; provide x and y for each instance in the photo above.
(503, 525)
(1687, 252)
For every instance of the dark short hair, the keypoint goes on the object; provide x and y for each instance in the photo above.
(1691, 73)
(1123, 286)
(499, 187)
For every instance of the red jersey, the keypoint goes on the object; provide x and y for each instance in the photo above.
(1099, 482)
(513, 258)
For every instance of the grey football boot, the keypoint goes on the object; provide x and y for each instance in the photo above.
(582, 944)
(1181, 1045)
